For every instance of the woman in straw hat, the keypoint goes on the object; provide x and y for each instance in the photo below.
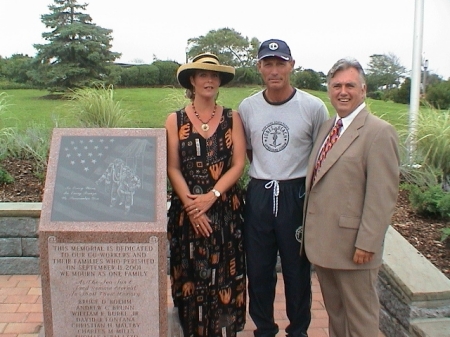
(206, 157)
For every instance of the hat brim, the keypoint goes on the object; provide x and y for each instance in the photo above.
(186, 70)
(281, 56)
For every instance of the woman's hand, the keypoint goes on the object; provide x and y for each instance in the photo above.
(201, 224)
(196, 210)
(199, 204)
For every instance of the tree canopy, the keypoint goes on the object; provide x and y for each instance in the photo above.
(234, 49)
(78, 51)
(309, 79)
(384, 70)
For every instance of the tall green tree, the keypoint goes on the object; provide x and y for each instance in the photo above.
(309, 79)
(78, 51)
(384, 71)
(232, 48)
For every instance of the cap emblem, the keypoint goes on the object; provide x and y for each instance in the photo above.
(273, 46)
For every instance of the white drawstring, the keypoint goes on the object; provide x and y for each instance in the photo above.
(276, 192)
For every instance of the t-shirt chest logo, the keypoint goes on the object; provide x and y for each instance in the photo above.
(275, 136)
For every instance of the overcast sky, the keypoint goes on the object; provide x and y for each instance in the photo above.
(319, 32)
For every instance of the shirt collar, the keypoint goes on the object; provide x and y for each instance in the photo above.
(347, 120)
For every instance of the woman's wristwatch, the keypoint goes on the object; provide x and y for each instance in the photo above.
(216, 192)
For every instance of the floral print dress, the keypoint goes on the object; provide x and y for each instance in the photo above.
(208, 274)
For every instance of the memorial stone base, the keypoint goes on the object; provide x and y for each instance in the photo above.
(102, 234)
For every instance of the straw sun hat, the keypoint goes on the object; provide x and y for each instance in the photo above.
(206, 61)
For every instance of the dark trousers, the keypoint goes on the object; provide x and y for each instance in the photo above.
(265, 235)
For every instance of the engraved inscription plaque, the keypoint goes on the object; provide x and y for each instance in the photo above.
(103, 289)
(105, 178)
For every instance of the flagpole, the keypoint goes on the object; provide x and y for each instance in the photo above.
(415, 77)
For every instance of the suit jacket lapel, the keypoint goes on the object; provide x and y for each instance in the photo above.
(350, 134)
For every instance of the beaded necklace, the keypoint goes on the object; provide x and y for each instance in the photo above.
(205, 126)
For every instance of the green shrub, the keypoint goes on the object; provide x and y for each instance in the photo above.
(167, 72)
(433, 138)
(414, 170)
(140, 75)
(444, 206)
(421, 175)
(439, 95)
(5, 177)
(402, 94)
(8, 85)
(431, 201)
(32, 143)
(378, 95)
(431, 143)
(97, 108)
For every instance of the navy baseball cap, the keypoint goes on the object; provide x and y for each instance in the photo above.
(274, 47)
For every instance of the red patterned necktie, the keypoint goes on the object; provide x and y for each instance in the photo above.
(331, 139)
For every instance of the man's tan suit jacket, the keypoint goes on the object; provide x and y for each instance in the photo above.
(352, 200)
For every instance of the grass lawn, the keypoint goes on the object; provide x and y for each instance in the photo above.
(149, 107)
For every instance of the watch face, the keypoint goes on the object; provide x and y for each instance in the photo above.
(216, 193)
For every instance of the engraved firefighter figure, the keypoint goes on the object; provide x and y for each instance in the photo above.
(121, 178)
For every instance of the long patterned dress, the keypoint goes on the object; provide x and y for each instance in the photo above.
(208, 274)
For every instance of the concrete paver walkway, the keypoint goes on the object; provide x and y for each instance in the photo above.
(21, 308)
